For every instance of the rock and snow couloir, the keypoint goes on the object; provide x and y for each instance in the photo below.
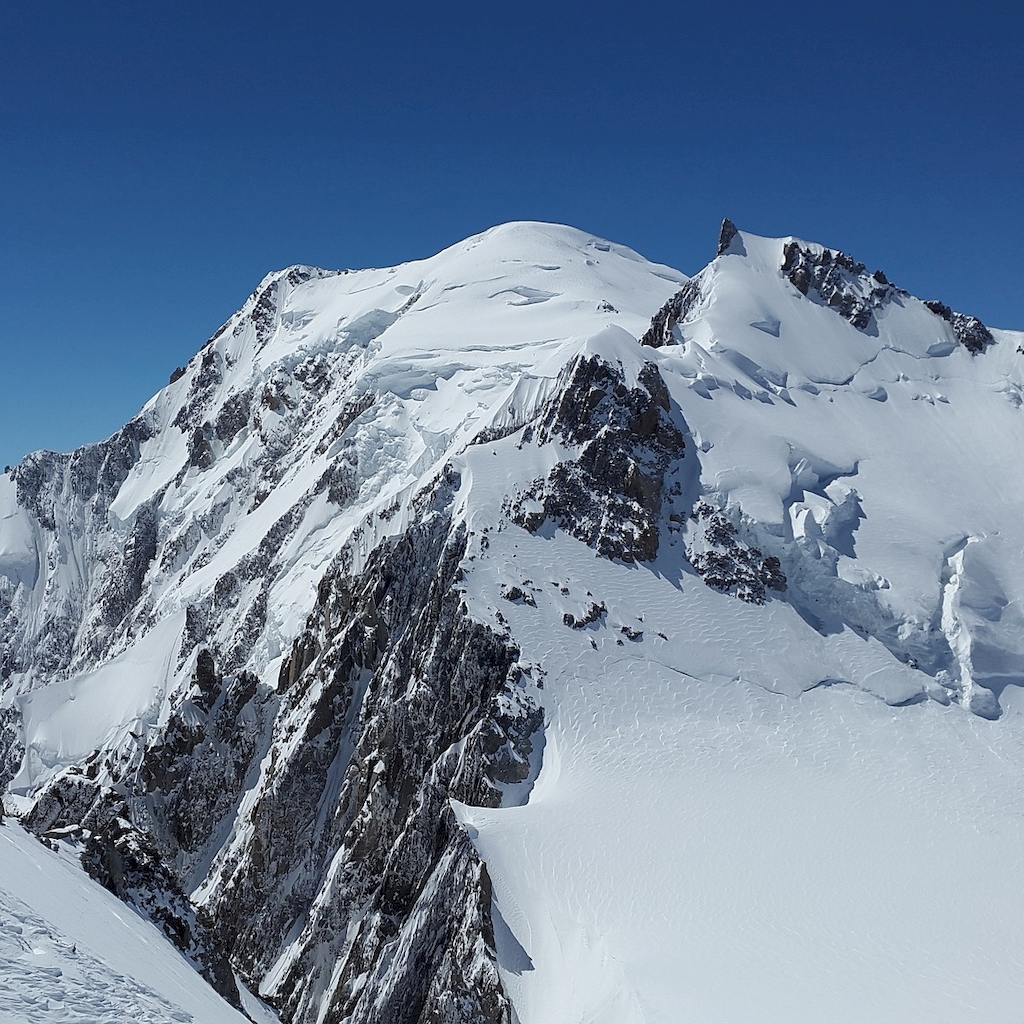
(456, 642)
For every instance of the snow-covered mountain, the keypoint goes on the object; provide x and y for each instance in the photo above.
(532, 633)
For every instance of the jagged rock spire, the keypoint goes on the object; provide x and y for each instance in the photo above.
(726, 235)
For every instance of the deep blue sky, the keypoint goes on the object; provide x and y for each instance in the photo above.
(157, 160)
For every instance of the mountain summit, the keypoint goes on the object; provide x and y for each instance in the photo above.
(533, 633)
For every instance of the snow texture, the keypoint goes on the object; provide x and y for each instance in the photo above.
(70, 951)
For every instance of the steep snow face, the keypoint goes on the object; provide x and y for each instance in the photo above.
(70, 951)
(471, 645)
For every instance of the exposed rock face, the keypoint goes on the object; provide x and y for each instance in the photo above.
(686, 304)
(95, 803)
(610, 496)
(726, 236)
(968, 330)
(519, 595)
(844, 285)
(726, 563)
(678, 310)
(12, 750)
(593, 614)
(394, 704)
(838, 281)
(349, 863)
(193, 772)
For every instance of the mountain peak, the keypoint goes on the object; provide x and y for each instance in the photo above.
(726, 236)
(423, 586)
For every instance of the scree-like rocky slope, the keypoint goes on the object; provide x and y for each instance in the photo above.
(535, 634)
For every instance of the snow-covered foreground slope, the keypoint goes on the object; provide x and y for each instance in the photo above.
(724, 856)
(698, 847)
(455, 642)
(70, 951)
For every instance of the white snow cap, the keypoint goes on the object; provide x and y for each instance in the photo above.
(736, 811)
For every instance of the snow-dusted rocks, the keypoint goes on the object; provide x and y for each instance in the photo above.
(622, 440)
(393, 654)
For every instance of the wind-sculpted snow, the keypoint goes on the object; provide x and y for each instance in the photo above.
(46, 978)
(446, 642)
(71, 952)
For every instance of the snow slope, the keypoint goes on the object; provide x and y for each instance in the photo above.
(70, 951)
(757, 567)
(834, 861)
(698, 846)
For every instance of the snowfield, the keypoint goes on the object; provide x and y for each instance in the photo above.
(70, 951)
(761, 579)
(699, 848)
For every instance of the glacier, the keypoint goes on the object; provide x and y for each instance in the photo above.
(535, 633)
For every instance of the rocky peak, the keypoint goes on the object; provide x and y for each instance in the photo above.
(726, 236)
(837, 281)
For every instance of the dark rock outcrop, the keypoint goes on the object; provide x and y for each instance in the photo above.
(844, 285)
(123, 859)
(593, 614)
(610, 496)
(679, 309)
(94, 802)
(726, 563)
(839, 282)
(233, 416)
(726, 236)
(12, 750)
(69, 495)
(968, 330)
(202, 387)
(194, 773)
(124, 586)
(393, 706)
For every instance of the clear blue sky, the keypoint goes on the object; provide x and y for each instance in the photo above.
(157, 160)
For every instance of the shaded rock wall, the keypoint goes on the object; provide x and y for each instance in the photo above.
(610, 495)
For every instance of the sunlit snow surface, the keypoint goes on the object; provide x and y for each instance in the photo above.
(71, 952)
(749, 813)
(700, 848)
(727, 857)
